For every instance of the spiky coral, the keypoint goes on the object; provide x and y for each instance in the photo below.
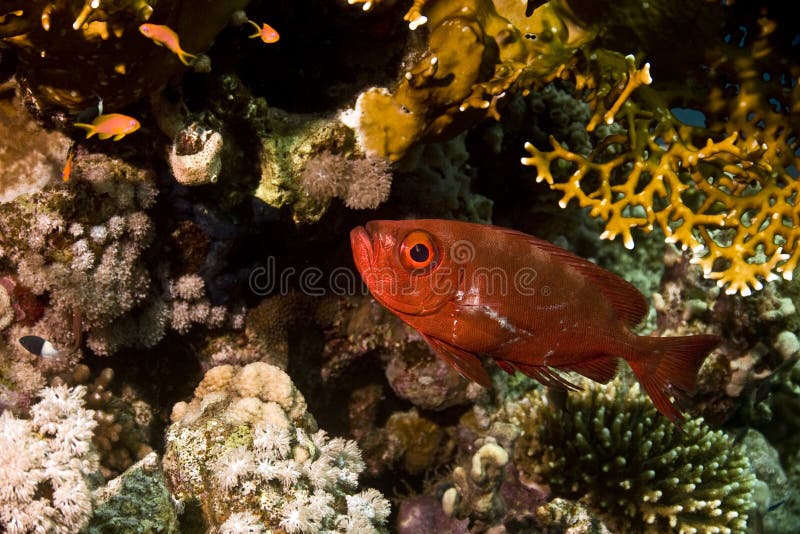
(610, 447)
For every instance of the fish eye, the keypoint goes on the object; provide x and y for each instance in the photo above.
(417, 250)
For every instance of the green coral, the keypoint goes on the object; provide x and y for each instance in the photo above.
(609, 447)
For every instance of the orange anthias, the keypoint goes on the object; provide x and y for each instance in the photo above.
(114, 125)
(165, 36)
(473, 289)
(267, 33)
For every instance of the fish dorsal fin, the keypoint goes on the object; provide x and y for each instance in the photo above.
(629, 303)
(463, 361)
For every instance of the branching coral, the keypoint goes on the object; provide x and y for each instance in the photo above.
(248, 451)
(46, 463)
(608, 446)
(727, 192)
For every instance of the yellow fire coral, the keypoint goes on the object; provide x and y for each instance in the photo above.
(725, 192)
(475, 53)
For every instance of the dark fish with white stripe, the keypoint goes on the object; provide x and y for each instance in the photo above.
(39, 346)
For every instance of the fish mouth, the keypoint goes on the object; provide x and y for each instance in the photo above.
(361, 243)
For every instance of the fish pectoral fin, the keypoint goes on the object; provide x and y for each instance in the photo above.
(601, 369)
(506, 366)
(465, 362)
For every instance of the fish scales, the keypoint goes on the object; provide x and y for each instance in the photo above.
(477, 290)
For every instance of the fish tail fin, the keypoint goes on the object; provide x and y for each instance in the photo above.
(186, 58)
(90, 131)
(257, 27)
(671, 369)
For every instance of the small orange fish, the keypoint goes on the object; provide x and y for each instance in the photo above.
(164, 36)
(67, 170)
(114, 125)
(267, 33)
(473, 289)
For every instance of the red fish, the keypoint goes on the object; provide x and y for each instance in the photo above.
(165, 36)
(473, 289)
(267, 33)
(114, 125)
(67, 170)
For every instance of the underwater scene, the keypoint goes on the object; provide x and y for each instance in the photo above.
(395, 266)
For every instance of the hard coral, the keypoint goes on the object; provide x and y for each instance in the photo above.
(609, 447)
(136, 502)
(474, 53)
(727, 191)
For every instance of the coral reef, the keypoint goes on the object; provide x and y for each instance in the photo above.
(424, 514)
(81, 249)
(208, 253)
(87, 260)
(30, 157)
(436, 180)
(248, 428)
(475, 491)
(126, 423)
(361, 183)
(609, 447)
(775, 495)
(570, 516)
(758, 339)
(196, 155)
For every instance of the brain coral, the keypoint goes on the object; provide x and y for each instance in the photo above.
(609, 447)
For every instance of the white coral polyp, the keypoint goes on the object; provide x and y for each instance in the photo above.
(234, 465)
(52, 450)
